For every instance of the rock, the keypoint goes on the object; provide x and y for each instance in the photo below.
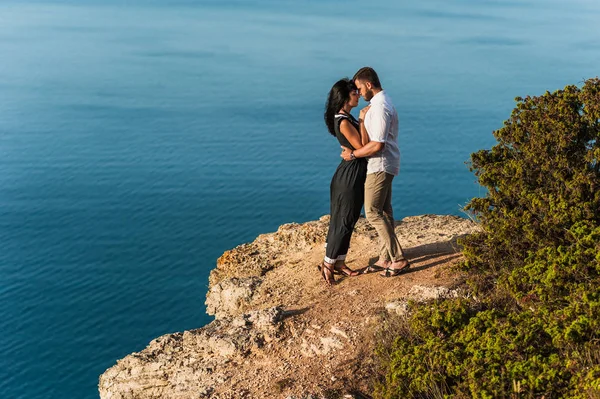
(399, 307)
(225, 298)
(188, 364)
(421, 293)
(265, 252)
(266, 319)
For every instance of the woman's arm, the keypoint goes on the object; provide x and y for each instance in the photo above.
(364, 135)
(351, 134)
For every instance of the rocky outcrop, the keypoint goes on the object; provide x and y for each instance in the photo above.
(227, 296)
(279, 331)
(269, 250)
(192, 363)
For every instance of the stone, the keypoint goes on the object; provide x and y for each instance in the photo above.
(399, 307)
(422, 293)
(225, 298)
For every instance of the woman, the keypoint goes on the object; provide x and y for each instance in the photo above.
(348, 182)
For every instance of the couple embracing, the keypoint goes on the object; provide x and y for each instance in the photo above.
(371, 159)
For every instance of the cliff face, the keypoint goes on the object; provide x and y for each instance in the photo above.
(279, 331)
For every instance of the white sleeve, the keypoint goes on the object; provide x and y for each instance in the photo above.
(379, 123)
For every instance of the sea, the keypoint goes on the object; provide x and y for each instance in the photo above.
(139, 140)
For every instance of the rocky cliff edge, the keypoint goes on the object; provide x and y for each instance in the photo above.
(279, 331)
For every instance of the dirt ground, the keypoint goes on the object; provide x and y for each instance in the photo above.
(312, 340)
(326, 345)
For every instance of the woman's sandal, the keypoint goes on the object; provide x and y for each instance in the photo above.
(343, 271)
(322, 268)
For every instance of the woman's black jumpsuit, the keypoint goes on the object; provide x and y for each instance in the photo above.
(347, 192)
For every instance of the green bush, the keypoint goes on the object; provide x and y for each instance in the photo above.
(531, 328)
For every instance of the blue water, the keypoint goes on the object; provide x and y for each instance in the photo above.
(139, 140)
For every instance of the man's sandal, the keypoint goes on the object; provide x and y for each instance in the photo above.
(372, 269)
(389, 272)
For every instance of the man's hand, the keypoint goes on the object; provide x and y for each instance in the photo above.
(363, 112)
(346, 153)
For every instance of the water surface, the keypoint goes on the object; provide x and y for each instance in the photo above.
(141, 139)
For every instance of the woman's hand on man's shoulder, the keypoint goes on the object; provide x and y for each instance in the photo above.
(364, 111)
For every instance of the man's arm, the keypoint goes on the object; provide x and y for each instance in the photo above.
(380, 120)
(372, 147)
(378, 126)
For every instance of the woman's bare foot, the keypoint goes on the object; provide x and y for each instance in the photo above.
(343, 269)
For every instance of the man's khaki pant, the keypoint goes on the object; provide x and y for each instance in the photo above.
(378, 208)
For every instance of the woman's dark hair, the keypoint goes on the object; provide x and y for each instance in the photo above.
(337, 97)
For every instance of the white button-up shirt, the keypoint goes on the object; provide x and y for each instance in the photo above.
(381, 123)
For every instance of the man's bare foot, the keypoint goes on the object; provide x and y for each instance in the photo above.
(399, 265)
(383, 263)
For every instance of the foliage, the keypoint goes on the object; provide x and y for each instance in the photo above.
(531, 328)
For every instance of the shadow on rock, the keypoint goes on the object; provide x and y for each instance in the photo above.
(293, 312)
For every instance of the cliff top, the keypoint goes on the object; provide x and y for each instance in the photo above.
(280, 331)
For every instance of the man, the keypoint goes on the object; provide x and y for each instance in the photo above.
(381, 123)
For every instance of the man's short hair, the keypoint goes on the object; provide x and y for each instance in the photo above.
(368, 74)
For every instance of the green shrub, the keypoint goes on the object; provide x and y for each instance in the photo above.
(531, 328)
